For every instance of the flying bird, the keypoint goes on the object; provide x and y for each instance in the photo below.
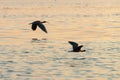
(75, 46)
(39, 24)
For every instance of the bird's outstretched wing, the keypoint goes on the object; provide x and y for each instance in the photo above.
(74, 44)
(79, 47)
(34, 26)
(42, 27)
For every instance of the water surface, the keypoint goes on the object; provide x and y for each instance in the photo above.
(94, 24)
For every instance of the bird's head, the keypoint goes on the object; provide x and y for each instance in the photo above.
(44, 22)
(81, 45)
(82, 50)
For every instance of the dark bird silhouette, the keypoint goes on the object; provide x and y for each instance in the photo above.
(39, 24)
(75, 46)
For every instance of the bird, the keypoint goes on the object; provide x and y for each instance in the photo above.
(75, 46)
(39, 24)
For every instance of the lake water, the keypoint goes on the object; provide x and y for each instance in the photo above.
(92, 23)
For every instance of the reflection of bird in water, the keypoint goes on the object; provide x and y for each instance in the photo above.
(39, 24)
(76, 48)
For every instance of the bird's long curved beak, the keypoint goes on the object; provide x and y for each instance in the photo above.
(29, 23)
(47, 22)
(44, 22)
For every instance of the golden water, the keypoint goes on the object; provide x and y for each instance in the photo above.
(94, 24)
